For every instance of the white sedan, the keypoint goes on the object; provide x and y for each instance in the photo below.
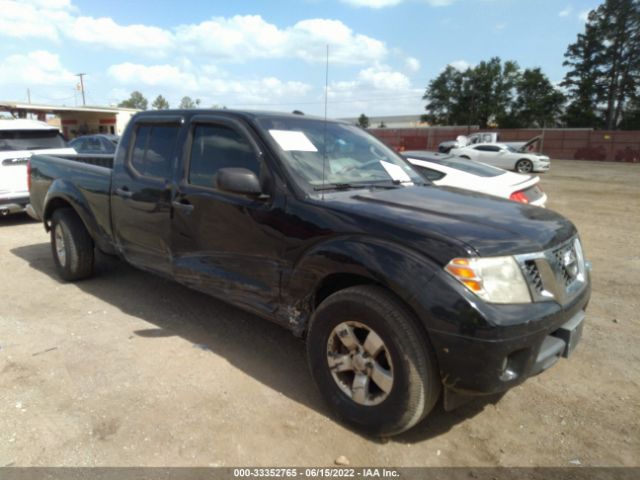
(503, 156)
(448, 170)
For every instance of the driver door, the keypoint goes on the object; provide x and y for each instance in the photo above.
(225, 244)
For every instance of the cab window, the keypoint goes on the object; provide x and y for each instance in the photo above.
(215, 147)
(154, 149)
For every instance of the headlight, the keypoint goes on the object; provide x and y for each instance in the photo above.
(494, 279)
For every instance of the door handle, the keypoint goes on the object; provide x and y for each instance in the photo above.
(182, 205)
(124, 192)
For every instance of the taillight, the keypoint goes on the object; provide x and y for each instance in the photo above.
(29, 175)
(519, 197)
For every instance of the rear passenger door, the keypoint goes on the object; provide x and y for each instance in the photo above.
(228, 245)
(141, 193)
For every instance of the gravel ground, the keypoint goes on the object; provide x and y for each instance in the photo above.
(129, 369)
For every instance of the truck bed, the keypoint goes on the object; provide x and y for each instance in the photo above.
(83, 181)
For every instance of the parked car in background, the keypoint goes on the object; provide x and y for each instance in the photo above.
(504, 156)
(18, 140)
(98, 143)
(484, 137)
(450, 171)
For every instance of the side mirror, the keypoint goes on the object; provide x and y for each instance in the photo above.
(238, 180)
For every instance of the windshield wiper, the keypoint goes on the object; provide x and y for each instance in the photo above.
(349, 186)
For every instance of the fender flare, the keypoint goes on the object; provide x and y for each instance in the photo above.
(405, 272)
(67, 192)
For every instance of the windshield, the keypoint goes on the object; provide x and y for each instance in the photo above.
(30, 139)
(349, 157)
(511, 149)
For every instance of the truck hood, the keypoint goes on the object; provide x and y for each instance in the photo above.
(488, 225)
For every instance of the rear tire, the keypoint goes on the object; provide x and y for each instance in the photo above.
(71, 245)
(371, 361)
(524, 166)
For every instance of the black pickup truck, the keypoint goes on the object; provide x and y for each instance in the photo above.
(403, 291)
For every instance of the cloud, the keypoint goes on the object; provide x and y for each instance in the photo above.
(566, 11)
(26, 19)
(373, 3)
(206, 82)
(383, 78)
(37, 68)
(412, 64)
(250, 36)
(460, 65)
(105, 32)
(376, 4)
(236, 39)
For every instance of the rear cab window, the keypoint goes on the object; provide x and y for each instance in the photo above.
(154, 149)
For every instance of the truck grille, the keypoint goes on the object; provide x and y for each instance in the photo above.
(556, 274)
(560, 256)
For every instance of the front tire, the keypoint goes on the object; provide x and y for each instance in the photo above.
(524, 166)
(71, 245)
(371, 361)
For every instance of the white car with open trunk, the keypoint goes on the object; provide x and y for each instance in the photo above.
(504, 156)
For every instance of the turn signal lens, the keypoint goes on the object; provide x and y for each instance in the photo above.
(473, 285)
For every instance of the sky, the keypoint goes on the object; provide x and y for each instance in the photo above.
(271, 55)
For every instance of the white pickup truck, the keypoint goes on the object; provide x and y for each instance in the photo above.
(19, 139)
(483, 137)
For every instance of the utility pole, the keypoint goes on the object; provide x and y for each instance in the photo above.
(29, 96)
(82, 87)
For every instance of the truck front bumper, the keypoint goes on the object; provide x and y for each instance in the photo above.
(501, 346)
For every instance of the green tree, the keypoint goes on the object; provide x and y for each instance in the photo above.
(187, 103)
(160, 103)
(604, 75)
(136, 100)
(538, 103)
(631, 118)
(382, 125)
(363, 121)
(441, 95)
(478, 95)
(491, 86)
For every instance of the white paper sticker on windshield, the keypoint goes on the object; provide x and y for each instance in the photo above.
(293, 140)
(396, 172)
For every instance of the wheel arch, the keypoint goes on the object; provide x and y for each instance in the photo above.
(62, 194)
(347, 262)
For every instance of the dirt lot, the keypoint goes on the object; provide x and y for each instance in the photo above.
(130, 369)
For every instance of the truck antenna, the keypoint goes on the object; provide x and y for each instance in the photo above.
(324, 141)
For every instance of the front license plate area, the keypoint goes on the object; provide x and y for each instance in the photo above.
(571, 333)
